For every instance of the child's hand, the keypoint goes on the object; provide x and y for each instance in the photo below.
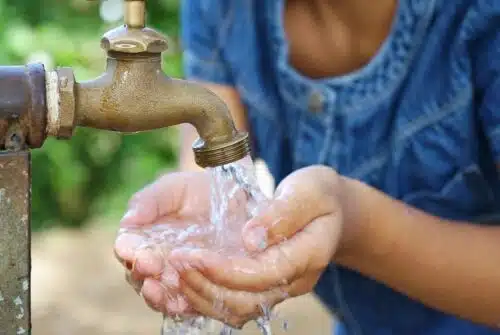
(174, 212)
(295, 239)
(183, 197)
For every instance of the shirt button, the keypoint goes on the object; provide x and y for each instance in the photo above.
(316, 102)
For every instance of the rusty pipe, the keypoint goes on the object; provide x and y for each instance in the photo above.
(135, 95)
(22, 106)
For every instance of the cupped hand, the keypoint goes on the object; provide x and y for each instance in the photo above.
(172, 212)
(292, 241)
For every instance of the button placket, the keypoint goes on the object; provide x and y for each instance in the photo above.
(316, 101)
(332, 147)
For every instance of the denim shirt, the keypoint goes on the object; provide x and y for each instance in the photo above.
(420, 122)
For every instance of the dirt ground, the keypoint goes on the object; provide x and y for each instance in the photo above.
(78, 289)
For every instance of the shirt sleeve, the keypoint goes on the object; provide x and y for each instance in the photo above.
(202, 23)
(486, 47)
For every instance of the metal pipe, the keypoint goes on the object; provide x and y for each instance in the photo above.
(15, 243)
(135, 13)
(22, 106)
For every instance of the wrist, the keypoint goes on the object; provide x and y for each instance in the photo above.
(351, 234)
(365, 231)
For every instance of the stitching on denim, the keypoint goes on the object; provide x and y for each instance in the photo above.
(299, 152)
(291, 99)
(429, 119)
(457, 178)
(395, 79)
(399, 65)
(448, 187)
(326, 146)
(328, 139)
(472, 21)
(421, 123)
(371, 165)
(393, 82)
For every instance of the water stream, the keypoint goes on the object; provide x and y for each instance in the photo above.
(234, 198)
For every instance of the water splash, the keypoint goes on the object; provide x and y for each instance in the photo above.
(235, 197)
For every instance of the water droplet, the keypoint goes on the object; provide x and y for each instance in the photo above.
(234, 197)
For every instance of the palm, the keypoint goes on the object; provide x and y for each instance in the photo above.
(179, 210)
(206, 211)
(182, 210)
(193, 196)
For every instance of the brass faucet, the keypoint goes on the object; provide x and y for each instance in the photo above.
(135, 95)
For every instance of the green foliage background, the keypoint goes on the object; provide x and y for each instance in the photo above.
(94, 173)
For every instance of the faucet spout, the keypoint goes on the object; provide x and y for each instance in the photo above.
(134, 95)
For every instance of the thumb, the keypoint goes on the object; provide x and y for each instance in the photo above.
(293, 208)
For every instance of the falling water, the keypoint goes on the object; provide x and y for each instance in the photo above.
(234, 198)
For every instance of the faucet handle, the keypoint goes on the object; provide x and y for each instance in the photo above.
(134, 37)
(135, 13)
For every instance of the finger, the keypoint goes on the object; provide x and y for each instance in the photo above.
(233, 308)
(132, 250)
(302, 285)
(153, 294)
(170, 277)
(205, 307)
(162, 299)
(179, 306)
(238, 273)
(149, 262)
(232, 302)
(286, 215)
(126, 245)
(164, 196)
(309, 250)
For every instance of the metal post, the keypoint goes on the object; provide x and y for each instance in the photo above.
(22, 126)
(15, 243)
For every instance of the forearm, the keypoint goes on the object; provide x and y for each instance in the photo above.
(450, 266)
